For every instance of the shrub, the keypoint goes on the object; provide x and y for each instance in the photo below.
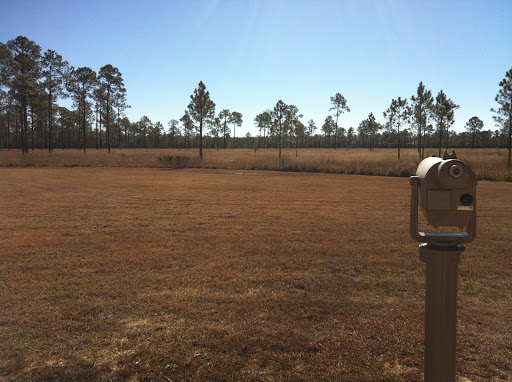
(175, 161)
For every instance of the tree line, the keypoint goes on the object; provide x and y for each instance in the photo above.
(33, 82)
(421, 121)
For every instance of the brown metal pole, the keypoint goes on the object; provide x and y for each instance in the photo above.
(440, 310)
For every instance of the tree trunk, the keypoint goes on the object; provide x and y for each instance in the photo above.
(32, 127)
(84, 123)
(398, 142)
(107, 116)
(45, 135)
(336, 134)
(39, 134)
(440, 138)
(201, 139)
(50, 122)
(24, 127)
(96, 127)
(279, 141)
(509, 139)
(119, 129)
(9, 128)
(509, 132)
(419, 141)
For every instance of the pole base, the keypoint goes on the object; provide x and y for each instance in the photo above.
(440, 310)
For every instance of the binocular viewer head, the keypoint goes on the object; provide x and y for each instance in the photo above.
(445, 189)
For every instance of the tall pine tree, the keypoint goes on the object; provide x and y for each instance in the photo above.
(201, 109)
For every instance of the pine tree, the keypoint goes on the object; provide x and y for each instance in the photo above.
(503, 115)
(397, 114)
(444, 112)
(21, 71)
(421, 111)
(339, 105)
(81, 84)
(201, 109)
(474, 126)
(54, 72)
(113, 85)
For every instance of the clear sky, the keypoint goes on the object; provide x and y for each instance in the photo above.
(252, 53)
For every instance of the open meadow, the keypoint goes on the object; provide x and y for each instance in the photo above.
(228, 275)
(488, 164)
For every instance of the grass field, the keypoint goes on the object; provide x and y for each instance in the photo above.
(488, 164)
(217, 275)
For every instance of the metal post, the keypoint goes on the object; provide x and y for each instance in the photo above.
(440, 310)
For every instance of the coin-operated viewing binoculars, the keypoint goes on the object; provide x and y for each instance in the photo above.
(445, 189)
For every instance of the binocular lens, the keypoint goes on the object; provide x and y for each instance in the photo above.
(456, 171)
(466, 199)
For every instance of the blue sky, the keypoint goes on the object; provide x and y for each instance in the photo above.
(250, 54)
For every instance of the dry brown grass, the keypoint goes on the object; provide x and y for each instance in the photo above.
(203, 275)
(489, 164)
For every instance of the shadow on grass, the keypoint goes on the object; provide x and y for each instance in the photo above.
(80, 371)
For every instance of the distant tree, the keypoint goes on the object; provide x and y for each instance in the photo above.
(279, 116)
(328, 128)
(300, 132)
(474, 126)
(125, 125)
(421, 110)
(201, 109)
(369, 128)
(215, 131)
(341, 136)
(339, 105)
(225, 117)
(444, 112)
(38, 117)
(98, 95)
(311, 129)
(112, 81)
(144, 126)
(5, 57)
(350, 136)
(397, 114)
(6, 106)
(236, 120)
(81, 84)
(486, 137)
(263, 121)
(174, 130)
(373, 128)
(249, 140)
(67, 121)
(120, 105)
(188, 127)
(21, 70)
(503, 115)
(157, 131)
(292, 121)
(54, 73)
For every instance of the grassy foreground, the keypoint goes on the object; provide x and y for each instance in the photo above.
(488, 164)
(233, 275)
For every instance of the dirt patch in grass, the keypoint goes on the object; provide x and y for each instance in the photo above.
(204, 275)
